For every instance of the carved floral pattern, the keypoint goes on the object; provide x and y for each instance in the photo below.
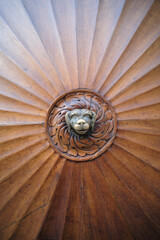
(73, 146)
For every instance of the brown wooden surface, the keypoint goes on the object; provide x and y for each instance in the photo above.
(46, 49)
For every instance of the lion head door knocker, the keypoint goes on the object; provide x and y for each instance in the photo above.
(80, 121)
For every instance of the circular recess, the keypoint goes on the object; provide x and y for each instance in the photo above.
(81, 147)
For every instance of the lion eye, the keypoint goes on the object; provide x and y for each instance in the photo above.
(87, 115)
(74, 116)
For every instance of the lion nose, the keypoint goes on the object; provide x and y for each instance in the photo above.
(82, 124)
(81, 121)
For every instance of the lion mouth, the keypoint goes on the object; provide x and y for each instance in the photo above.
(81, 131)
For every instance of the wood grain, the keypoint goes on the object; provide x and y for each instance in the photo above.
(52, 47)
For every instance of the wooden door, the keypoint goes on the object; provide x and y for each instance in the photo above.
(50, 47)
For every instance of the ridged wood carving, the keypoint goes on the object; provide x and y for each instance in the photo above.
(81, 147)
(51, 47)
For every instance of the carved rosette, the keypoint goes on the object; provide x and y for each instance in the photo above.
(78, 147)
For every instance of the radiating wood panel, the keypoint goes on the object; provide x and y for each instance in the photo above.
(37, 211)
(48, 48)
(49, 35)
(126, 27)
(13, 12)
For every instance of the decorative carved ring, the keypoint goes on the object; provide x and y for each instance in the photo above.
(66, 137)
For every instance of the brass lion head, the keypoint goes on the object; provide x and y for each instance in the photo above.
(80, 120)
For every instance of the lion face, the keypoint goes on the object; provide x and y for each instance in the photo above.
(80, 120)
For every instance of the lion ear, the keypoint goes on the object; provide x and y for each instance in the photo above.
(94, 116)
(67, 118)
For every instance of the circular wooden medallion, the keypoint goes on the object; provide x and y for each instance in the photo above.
(78, 147)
